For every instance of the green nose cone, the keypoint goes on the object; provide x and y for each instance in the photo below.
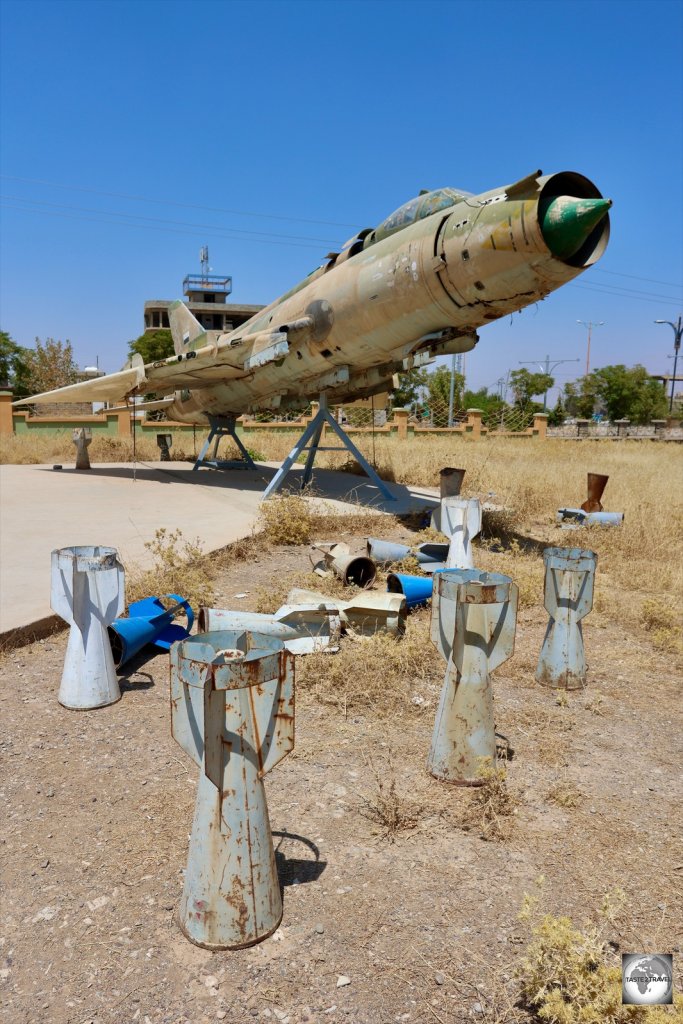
(567, 223)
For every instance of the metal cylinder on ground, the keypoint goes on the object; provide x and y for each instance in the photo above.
(568, 598)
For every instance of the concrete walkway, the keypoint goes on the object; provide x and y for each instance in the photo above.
(122, 507)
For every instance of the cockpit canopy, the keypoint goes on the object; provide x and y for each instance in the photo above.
(416, 209)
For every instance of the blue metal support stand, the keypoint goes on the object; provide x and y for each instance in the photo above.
(313, 434)
(223, 426)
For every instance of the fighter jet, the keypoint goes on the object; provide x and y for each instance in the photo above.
(417, 286)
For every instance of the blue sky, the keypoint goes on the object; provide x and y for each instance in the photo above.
(133, 133)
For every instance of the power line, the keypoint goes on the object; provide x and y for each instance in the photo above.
(173, 202)
(158, 220)
(625, 295)
(212, 232)
(635, 277)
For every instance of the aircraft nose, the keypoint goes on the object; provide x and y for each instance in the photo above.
(567, 222)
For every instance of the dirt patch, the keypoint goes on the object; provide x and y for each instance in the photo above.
(387, 879)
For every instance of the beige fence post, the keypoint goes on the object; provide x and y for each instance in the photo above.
(6, 418)
(474, 422)
(400, 418)
(540, 427)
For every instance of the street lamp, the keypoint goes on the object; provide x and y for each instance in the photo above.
(590, 325)
(678, 330)
(547, 368)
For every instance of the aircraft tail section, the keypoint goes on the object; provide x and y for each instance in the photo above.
(185, 328)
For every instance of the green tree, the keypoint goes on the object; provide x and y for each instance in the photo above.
(558, 415)
(438, 384)
(581, 397)
(407, 394)
(49, 365)
(629, 392)
(13, 366)
(620, 391)
(525, 385)
(491, 405)
(153, 345)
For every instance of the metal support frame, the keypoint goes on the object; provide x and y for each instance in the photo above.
(223, 426)
(312, 434)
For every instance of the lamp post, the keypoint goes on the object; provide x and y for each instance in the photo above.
(547, 368)
(590, 325)
(678, 330)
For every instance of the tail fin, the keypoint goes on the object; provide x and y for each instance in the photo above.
(185, 329)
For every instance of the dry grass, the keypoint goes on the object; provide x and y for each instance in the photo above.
(23, 449)
(492, 805)
(381, 674)
(386, 807)
(565, 794)
(566, 976)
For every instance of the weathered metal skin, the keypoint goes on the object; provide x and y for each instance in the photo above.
(430, 556)
(366, 613)
(459, 519)
(232, 712)
(88, 592)
(303, 629)
(474, 617)
(573, 518)
(418, 286)
(568, 598)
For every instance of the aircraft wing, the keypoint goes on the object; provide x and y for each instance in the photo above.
(226, 359)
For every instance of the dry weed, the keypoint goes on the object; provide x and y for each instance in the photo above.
(565, 794)
(386, 807)
(566, 979)
(379, 674)
(286, 519)
(180, 567)
(492, 805)
(663, 623)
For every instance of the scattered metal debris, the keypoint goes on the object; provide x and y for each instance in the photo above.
(474, 618)
(568, 598)
(573, 518)
(303, 628)
(149, 621)
(430, 556)
(366, 613)
(88, 592)
(232, 712)
(416, 590)
(356, 570)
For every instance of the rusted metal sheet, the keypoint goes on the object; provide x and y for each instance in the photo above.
(568, 598)
(450, 481)
(356, 570)
(304, 629)
(88, 593)
(365, 613)
(474, 618)
(596, 487)
(459, 519)
(232, 712)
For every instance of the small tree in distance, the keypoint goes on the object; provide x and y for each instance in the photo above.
(153, 345)
(49, 365)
